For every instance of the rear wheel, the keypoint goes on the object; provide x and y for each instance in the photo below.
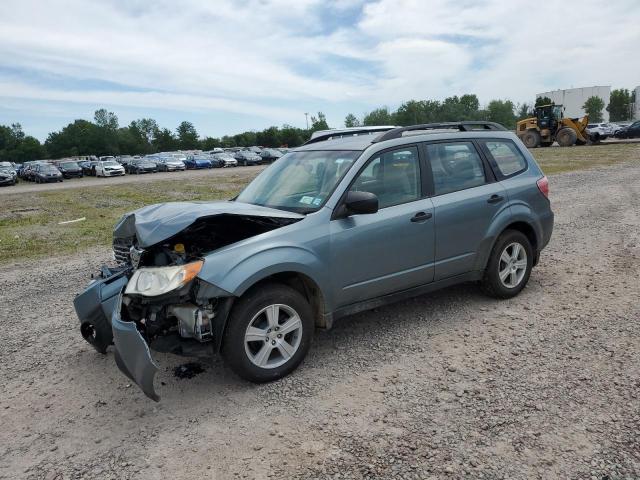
(509, 265)
(531, 138)
(566, 137)
(269, 333)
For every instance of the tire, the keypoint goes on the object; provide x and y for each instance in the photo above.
(491, 283)
(566, 137)
(531, 139)
(240, 355)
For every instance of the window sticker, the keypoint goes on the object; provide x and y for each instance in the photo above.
(317, 201)
(306, 200)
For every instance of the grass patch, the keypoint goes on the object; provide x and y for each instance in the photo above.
(29, 221)
(555, 160)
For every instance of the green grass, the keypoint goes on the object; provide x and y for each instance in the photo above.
(29, 221)
(555, 160)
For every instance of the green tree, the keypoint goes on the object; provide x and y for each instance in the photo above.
(292, 136)
(543, 101)
(524, 111)
(502, 112)
(187, 136)
(379, 116)
(269, 137)
(319, 122)
(351, 121)
(619, 105)
(209, 143)
(17, 147)
(164, 140)
(80, 137)
(105, 119)
(593, 107)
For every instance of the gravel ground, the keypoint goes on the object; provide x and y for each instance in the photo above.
(27, 187)
(449, 385)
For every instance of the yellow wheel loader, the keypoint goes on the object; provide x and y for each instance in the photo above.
(549, 125)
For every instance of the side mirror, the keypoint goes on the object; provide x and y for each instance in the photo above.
(360, 203)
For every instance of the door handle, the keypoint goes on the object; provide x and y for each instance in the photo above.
(421, 216)
(495, 198)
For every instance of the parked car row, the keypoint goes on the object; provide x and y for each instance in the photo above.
(602, 130)
(41, 171)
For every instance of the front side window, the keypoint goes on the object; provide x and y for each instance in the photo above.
(299, 181)
(394, 177)
(506, 156)
(455, 166)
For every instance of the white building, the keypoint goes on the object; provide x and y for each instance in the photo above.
(573, 99)
(635, 107)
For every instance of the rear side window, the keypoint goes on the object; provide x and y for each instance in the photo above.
(506, 156)
(455, 166)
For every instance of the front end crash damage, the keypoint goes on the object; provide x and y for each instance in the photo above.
(149, 303)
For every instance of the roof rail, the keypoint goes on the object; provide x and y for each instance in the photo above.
(460, 126)
(323, 135)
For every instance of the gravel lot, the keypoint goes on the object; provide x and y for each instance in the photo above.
(449, 385)
(27, 187)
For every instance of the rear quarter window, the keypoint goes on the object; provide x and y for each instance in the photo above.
(506, 156)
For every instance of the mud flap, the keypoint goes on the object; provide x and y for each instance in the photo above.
(132, 353)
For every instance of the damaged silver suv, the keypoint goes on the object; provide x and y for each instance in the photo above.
(351, 220)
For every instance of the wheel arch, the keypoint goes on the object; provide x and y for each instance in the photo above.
(521, 224)
(303, 284)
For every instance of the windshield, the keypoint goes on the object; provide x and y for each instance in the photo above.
(69, 165)
(111, 163)
(299, 181)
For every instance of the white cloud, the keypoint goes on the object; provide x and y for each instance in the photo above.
(273, 59)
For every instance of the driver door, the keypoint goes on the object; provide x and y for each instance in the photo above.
(393, 249)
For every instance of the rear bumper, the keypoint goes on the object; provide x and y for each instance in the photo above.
(546, 222)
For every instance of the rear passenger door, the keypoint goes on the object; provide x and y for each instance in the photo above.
(466, 199)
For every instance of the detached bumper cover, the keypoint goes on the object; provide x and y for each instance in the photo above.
(132, 353)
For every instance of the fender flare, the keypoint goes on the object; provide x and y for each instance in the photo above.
(518, 213)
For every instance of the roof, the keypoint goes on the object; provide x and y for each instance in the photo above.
(356, 141)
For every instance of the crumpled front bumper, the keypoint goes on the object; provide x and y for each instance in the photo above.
(132, 353)
(98, 308)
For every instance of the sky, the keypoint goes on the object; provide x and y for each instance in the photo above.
(234, 65)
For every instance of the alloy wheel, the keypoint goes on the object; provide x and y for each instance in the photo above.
(273, 336)
(513, 265)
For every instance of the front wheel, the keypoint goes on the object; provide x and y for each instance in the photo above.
(269, 333)
(509, 265)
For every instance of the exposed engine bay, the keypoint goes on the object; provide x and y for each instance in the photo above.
(189, 312)
(206, 235)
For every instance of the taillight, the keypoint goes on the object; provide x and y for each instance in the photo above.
(543, 186)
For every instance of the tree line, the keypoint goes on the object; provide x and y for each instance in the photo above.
(105, 136)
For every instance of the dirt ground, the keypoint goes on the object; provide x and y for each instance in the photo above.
(448, 385)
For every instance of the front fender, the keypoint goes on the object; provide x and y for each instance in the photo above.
(236, 271)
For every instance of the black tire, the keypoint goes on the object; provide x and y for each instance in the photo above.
(243, 312)
(566, 137)
(531, 139)
(491, 283)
